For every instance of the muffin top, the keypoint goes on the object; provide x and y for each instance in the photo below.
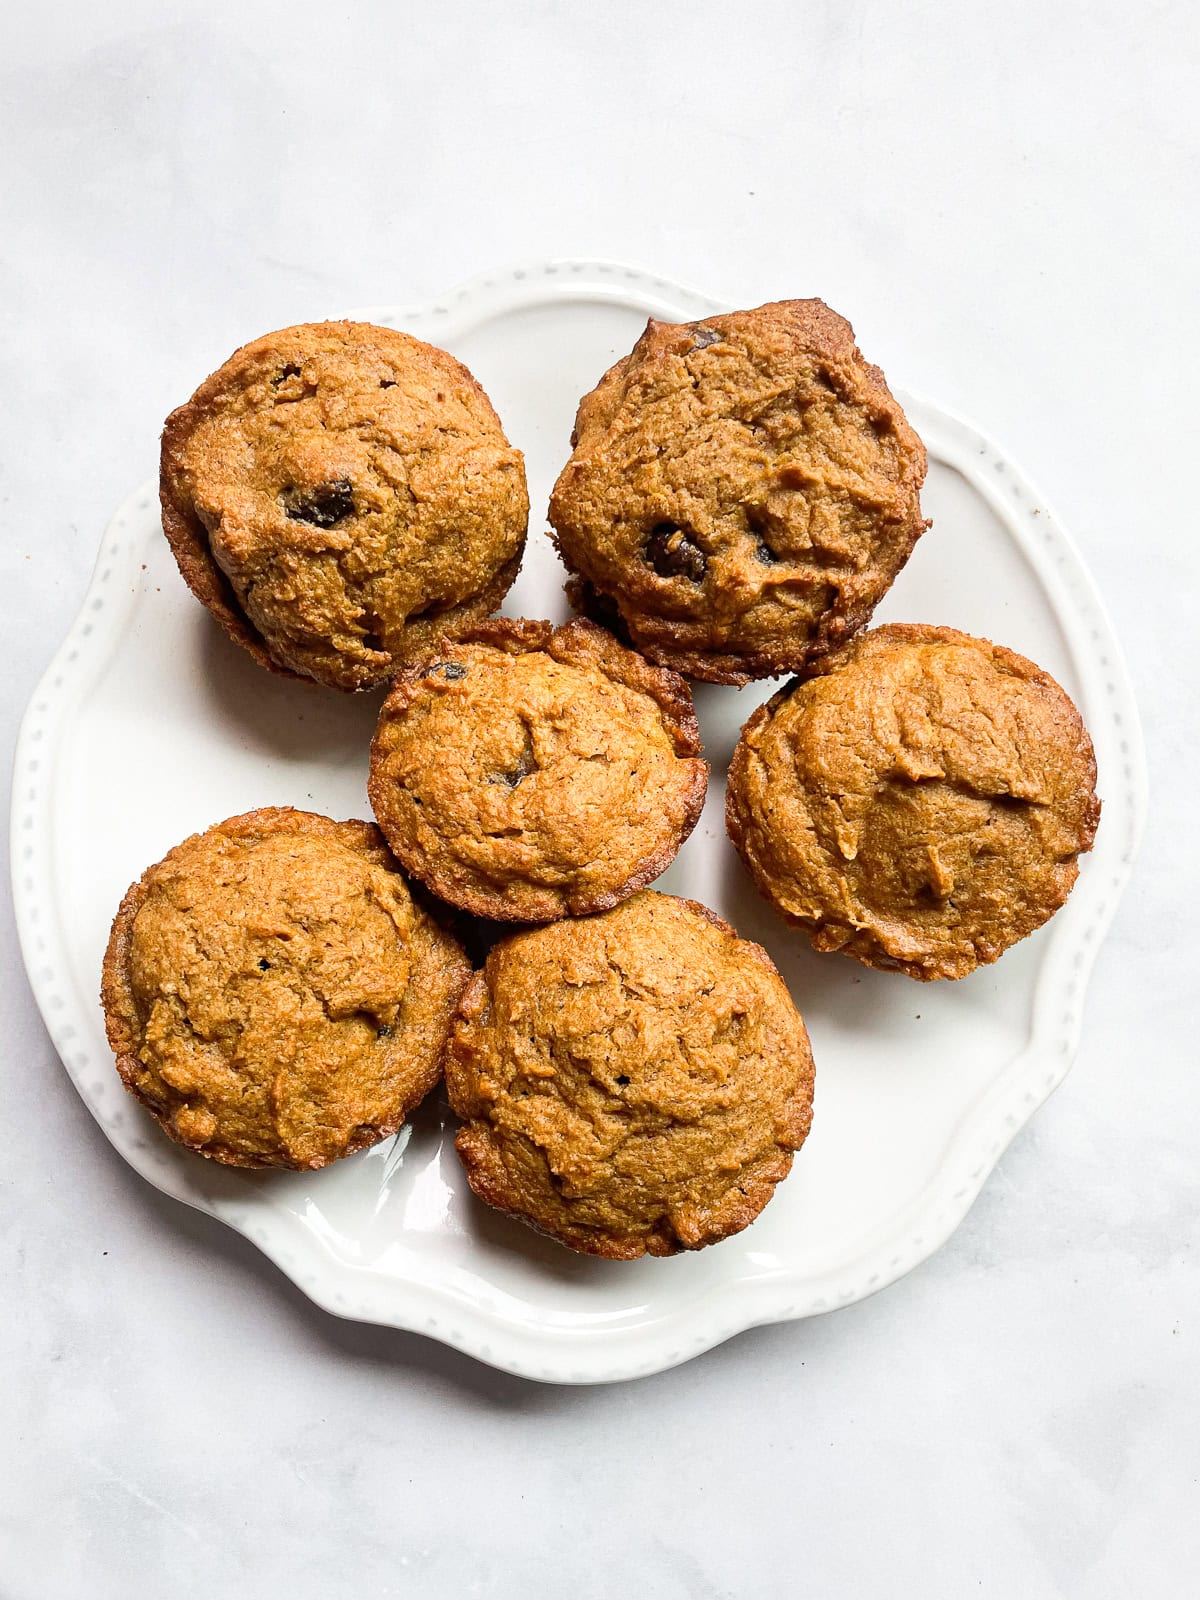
(919, 802)
(630, 1083)
(530, 772)
(273, 994)
(340, 495)
(742, 492)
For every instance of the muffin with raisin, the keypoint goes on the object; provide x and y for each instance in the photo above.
(742, 493)
(529, 772)
(341, 495)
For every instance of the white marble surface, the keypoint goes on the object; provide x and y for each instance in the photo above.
(1004, 200)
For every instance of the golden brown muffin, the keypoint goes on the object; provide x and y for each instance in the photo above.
(340, 496)
(273, 994)
(532, 772)
(919, 802)
(633, 1083)
(743, 492)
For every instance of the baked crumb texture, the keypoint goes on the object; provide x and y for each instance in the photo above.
(919, 801)
(631, 1083)
(742, 492)
(340, 496)
(530, 772)
(273, 994)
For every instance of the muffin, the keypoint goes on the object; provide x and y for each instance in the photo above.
(632, 1083)
(919, 801)
(340, 496)
(273, 994)
(742, 492)
(532, 772)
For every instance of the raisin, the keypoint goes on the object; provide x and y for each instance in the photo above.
(703, 337)
(758, 524)
(521, 771)
(673, 555)
(323, 507)
(452, 671)
(527, 762)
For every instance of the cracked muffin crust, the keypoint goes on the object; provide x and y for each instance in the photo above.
(529, 772)
(632, 1083)
(341, 495)
(742, 492)
(274, 995)
(919, 802)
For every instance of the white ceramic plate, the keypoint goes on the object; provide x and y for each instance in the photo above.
(150, 725)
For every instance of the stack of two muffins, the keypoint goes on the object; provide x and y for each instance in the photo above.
(631, 1075)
